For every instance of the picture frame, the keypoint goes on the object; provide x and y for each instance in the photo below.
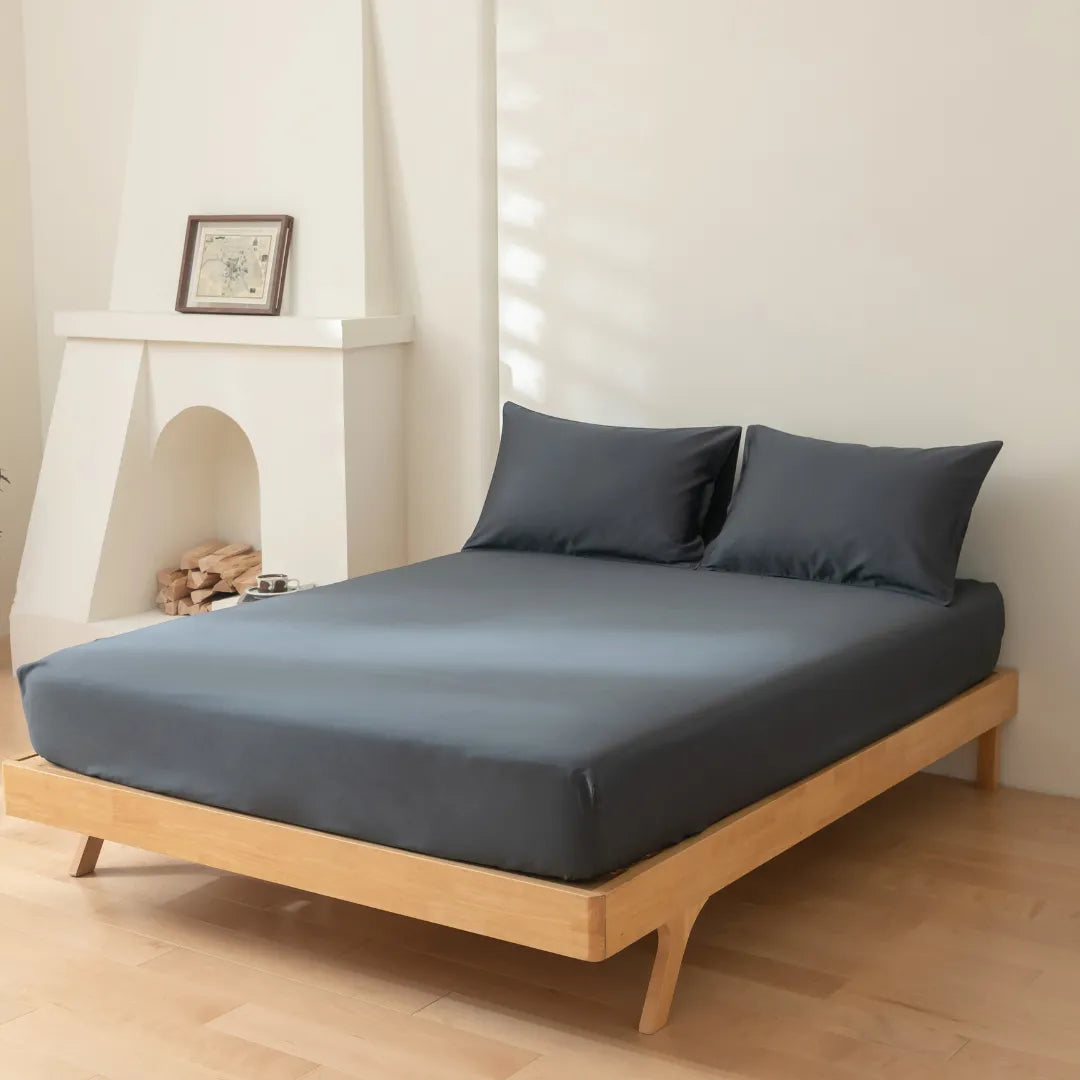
(234, 264)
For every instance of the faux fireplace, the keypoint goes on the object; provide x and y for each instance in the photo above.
(285, 433)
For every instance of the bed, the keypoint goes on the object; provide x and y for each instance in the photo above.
(569, 753)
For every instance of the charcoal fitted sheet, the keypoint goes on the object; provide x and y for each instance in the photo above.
(550, 714)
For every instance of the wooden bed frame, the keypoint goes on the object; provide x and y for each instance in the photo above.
(589, 921)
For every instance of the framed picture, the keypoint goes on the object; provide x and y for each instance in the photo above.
(234, 264)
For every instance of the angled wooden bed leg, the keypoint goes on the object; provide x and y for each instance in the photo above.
(86, 856)
(670, 946)
(989, 767)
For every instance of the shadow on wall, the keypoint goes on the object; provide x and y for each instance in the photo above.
(438, 140)
(199, 482)
(205, 469)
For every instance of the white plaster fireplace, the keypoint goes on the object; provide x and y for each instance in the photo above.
(168, 428)
(286, 432)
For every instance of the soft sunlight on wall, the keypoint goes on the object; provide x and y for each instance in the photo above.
(854, 220)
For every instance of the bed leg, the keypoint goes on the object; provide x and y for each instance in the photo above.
(86, 856)
(989, 767)
(670, 946)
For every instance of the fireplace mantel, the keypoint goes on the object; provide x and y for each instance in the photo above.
(289, 331)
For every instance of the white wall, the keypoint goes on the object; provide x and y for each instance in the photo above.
(20, 431)
(80, 86)
(239, 115)
(436, 73)
(854, 218)
(432, 100)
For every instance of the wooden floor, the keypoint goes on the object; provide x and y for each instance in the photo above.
(934, 933)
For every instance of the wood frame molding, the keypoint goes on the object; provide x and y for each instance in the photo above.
(589, 921)
(272, 305)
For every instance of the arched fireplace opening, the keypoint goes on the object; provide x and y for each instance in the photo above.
(199, 482)
(205, 472)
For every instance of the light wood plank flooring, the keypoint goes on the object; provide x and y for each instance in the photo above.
(933, 934)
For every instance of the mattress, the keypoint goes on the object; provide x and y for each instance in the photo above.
(550, 714)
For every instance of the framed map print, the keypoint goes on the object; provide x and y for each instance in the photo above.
(234, 265)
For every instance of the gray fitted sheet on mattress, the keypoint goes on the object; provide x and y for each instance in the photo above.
(555, 715)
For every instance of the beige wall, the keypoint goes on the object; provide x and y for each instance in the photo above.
(854, 218)
(20, 429)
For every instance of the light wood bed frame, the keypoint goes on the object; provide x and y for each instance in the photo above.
(589, 921)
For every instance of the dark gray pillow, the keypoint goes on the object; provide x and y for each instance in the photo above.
(587, 489)
(861, 515)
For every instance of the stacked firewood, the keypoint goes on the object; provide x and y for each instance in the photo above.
(207, 572)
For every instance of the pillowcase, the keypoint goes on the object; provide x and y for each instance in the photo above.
(861, 515)
(570, 488)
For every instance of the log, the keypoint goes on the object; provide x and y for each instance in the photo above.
(202, 579)
(190, 559)
(187, 606)
(198, 596)
(233, 567)
(225, 587)
(211, 562)
(167, 577)
(177, 590)
(247, 580)
(171, 607)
